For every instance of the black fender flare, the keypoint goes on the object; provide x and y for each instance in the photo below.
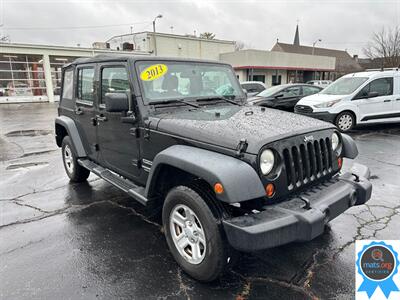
(240, 181)
(349, 147)
(73, 133)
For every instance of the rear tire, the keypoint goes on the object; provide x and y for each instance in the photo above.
(75, 171)
(345, 121)
(194, 235)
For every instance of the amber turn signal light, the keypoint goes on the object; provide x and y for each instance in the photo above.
(218, 188)
(269, 190)
(340, 162)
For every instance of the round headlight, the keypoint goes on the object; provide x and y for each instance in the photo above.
(335, 141)
(267, 161)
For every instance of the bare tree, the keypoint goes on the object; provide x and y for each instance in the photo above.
(239, 45)
(385, 45)
(207, 35)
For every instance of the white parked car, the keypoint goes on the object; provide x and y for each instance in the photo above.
(253, 87)
(359, 98)
(320, 83)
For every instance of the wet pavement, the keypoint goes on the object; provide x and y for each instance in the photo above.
(90, 241)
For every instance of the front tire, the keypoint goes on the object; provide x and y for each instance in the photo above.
(193, 234)
(345, 121)
(75, 172)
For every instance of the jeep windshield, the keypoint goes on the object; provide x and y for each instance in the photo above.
(166, 81)
(344, 86)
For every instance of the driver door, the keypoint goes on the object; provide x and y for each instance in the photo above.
(118, 146)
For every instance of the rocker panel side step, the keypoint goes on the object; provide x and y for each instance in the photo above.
(123, 184)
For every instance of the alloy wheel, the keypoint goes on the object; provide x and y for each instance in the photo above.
(188, 234)
(68, 159)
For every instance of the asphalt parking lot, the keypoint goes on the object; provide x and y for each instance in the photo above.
(90, 241)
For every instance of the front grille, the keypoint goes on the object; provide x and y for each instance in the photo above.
(307, 162)
(303, 109)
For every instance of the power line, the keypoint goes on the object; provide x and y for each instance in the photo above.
(74, 27)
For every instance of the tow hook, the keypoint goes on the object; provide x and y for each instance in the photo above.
(306, 201)
(357, 178)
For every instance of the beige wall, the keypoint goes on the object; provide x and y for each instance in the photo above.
(187, 47)
(278, 60)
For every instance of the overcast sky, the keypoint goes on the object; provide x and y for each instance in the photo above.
(340, 24)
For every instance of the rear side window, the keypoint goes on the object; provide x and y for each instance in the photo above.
(310, 90)
(86, 84)
(68, 83)
(383, 86)
(113, 80)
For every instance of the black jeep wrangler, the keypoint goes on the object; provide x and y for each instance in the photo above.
(229, 177)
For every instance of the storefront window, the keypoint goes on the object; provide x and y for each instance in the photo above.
(56, 64)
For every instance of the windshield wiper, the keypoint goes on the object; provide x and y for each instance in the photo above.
(175, 101)
(218, 98)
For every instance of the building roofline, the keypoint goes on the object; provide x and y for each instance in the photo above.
(283, 68)
(310, 47)
(175, 36)
(69, 48)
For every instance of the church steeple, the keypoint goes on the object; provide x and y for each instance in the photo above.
(297, 37)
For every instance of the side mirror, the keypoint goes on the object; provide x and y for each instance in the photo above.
(116, 102)
(245, 92)
(372, 94)
(278, 96)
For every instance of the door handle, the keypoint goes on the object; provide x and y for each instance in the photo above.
(78, 111)
(398, 99)
(387, 100)
(101, 118)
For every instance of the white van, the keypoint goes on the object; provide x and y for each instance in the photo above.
(358, 98)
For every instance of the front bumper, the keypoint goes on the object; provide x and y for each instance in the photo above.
(324, 116)
(301, 218)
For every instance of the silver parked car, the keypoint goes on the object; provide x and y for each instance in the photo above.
(253, 87)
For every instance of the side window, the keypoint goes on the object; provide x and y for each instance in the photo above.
(291, 92)
(113, 80)
(383, 86)
(310, 90)
(68, 83)
(85, 85)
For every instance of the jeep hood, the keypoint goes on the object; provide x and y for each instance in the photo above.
(225, 126)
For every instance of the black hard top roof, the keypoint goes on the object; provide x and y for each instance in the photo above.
(118, 57)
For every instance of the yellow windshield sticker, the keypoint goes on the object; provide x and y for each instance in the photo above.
(153, 72)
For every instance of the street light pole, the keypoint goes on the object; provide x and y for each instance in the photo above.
(313, 46)
(154, 31)
(313, 50)
(154, 22)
